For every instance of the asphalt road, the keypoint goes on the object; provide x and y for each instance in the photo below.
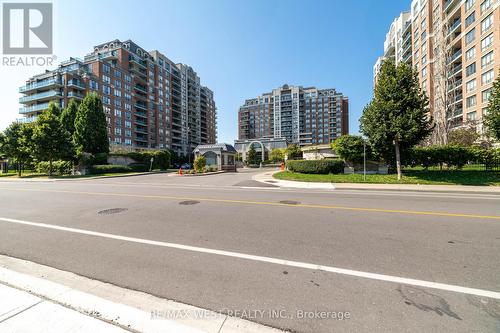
(169, 227)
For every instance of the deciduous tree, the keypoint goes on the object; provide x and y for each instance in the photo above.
(492, 117)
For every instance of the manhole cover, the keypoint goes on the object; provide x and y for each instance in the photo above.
(289, 202)
(271, 181)
(112, 211)
(189, 202)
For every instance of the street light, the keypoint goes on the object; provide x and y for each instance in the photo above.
(364, 158)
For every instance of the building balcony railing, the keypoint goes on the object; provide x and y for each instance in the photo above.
(141, 106)
(457, 55)
(141, 114)
(141, 89)
(40, 84)
(454, 26)
(74, 94)
(26, 120)
(76, 84)
(40, 96)
(455, 85)
(34, 108)
(450, 4)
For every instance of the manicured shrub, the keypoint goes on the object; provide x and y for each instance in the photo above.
(199, 163)
(109, 168)
(316, 166)
(58, 167)
(161, 158)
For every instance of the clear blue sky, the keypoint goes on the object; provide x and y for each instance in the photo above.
(240, 49)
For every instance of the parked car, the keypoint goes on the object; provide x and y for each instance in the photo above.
(186, 166)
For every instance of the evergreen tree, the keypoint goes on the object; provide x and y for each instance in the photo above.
(68, 116)
(91, 135)
(492, 117)
(396, 119)
(50, 140)
(252, 155)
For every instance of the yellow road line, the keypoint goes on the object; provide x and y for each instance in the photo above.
(266, 203)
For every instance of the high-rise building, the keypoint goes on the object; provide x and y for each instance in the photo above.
(453, 45)
(149, 101)
(304, 116)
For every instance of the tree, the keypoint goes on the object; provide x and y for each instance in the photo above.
(492, 117)
(50, 140)
(463, 136)
(277, 155)
(293, 152)
(252, 155)
(350, 148)
(68, 116)
(91, 134)
(397, 117)
(15, 144)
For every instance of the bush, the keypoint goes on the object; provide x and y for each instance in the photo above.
(199, 163)
(351, 148)
(161, 158)
(109, 168)
(316, 166)
(293, 152)
(58, 167)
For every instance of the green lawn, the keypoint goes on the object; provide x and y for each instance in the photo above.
(430, 177)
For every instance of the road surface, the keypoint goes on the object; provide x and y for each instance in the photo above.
(227, 243)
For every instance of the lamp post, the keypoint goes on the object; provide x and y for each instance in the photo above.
(364, 159)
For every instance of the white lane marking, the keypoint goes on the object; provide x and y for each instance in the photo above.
(343, 271)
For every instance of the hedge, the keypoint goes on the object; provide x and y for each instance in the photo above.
(316, 166)
(452, 156)
(110, 168)
(58, 167)
(161, 158)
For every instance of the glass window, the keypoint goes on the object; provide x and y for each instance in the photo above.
(471, 85)
(471, 116)
(469, 4)
(471, 69)
(487, 77)
(486, 23)
(470, 19)
(470, 54)
(486, 42)
(485, 5)
(486, 95)
(487, 59)
(471, 101)
(470, 36)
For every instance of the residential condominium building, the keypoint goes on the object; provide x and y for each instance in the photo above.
(300, 115)
(149, 101)
(454, 46)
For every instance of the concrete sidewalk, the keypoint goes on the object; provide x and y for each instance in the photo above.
(267, 178)
(38, 298)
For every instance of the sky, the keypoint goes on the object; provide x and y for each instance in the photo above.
(240, 49)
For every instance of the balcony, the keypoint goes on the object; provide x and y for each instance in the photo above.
(27, 120)
(456, 56)
(454, 26)
(141, 106)
(450, 5)
(76, 84)
(34, 108)
(141, 130)
(74, 94)
(141, 114)
(141, 122)
(455, 71)
(40, 84)
(456, 85)
(140, 89)
(40, 96)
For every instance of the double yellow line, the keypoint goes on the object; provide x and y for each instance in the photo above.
(264, 203)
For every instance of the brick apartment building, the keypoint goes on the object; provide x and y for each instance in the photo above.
(149, 101)
(305, 116)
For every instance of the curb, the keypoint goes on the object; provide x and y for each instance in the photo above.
(129, 309)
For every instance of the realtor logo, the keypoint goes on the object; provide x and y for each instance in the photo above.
(27, 28)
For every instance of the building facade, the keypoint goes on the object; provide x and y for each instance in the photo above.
(149, 101)
(455, 45)
(299, 115)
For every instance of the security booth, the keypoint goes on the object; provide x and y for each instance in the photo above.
(219, 155)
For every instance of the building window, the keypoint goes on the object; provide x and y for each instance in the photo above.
(128, 124)
(486, 42)
(485, 5)
(470, 19)
(106, 79)
(487, 59)
(470, 36)
(118, 131)
(471, 85)
(106, 69)
(471, 69)
(93, 85)
(106, 100)
(471, 101)
(469, 4)
(487, 77)
(128, 142)
(470, 54)
(106, 90)
(486, 95)
(118, 73)
(486, 23)
(471, 116)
